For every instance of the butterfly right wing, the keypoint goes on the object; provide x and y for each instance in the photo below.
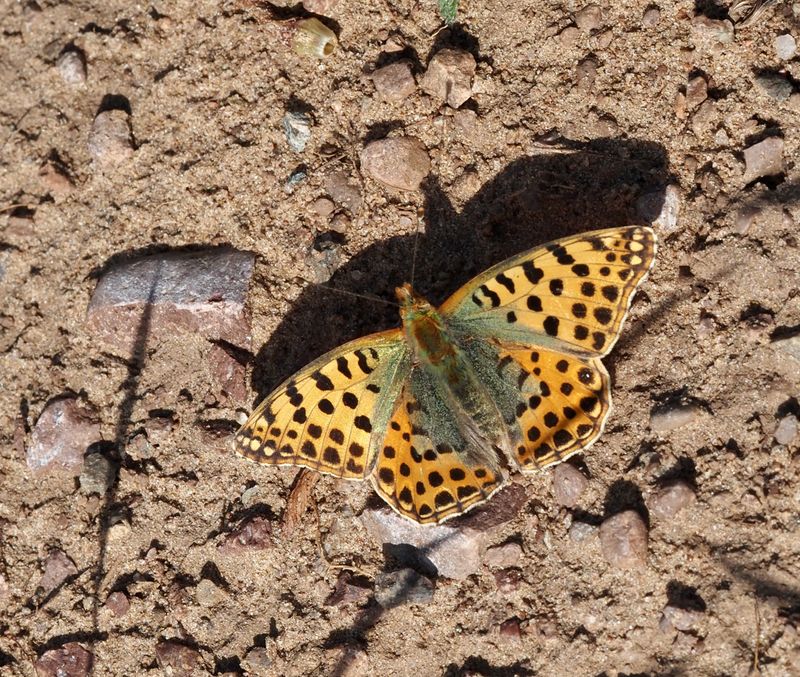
(419, 469)
(326, 416)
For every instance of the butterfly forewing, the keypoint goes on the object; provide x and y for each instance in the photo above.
(572, 294)
(326, 416)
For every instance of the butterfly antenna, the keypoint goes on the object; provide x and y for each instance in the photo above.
(414, 255)
(368, 297)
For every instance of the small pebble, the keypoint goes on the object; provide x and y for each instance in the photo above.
(257, 659)
(353, 663)
(343, 191)
(207, 594)
(69, 660)
(110, 141)
(394, 82)
(72, 67)
(696, 92)
(323, 206)
(56, 181)
(400, 162)
(581, 531)
(668, 417)
(60, 437)
(297, 177)
(118, 603)
(661, 208)
(178, 659)
(568, 484)
(775, 86)
(505, 555)
(449, 76)
(744, 219)
(786, 430)
(651, 17)
(97, 475)
(347, 590)
(681, 619)
(763, 159)
(789, 345)
(254, 533)
(715, 30)
(404, 586)
(569, 36)
(623, 540)
(785, 47)
(297, 130)
(586, 74)
(340, 224)
(589, 18)
(58, 567)
(508, 580)
(510, 630)
(671, 499)
(321, 7)
(705, 118)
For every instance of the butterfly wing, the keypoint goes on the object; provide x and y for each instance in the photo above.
(327, 415)
(419, 469)
(535, 327)
(570, 295)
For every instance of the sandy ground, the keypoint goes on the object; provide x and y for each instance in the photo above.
(544, 151)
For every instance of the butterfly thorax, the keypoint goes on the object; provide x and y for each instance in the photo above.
(453, 376)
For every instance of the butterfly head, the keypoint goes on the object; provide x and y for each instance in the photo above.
(412, 306)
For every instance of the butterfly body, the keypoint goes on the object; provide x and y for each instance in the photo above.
(506, 372)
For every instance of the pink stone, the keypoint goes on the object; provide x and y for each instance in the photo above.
(69, 660)
(61, 436)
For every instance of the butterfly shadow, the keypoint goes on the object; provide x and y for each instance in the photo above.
(569, 189)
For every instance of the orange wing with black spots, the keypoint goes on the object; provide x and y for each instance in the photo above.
(422, 477)
(325, 416)
(572, 294)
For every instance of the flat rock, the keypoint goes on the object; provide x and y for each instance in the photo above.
(71, 65)
(58, 567)
(69, 660)
(178, 659)
(457, 547)
(785, 46)
(568, 484)
(61, 436)
(400, 162)
(505, 555)
(199, 292)
(404, 586)
(449, 76)
(623, 540)
(118, 603)
(681, 619)
(589, 18)
(713, 30)
(348, 590)
(786, 429)
(763, 159)
(97, 475)
(670, 499)
(394, 82)
(344, 191)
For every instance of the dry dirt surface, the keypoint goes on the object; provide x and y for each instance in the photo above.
(133, 541)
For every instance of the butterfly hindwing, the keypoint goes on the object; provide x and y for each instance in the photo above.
(572, 294)
(326, 415)
(420, 475)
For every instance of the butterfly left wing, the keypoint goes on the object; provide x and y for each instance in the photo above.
(571, 295)
(325, 416)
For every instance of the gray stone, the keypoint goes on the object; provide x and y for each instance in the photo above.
(58, 567)
(671, 499)
(589, 18)
(71, 66)
(581, 531)
(69, 660)
(505, 555)
(449, 76)
(668, 417)
(785, 47)
(61, 436)
(400, 162)
(208, 594)
(110, 140)
(404, 586)
(297, 129)
(763, 159)
(343, 191)
(97, 475)
(682, 619)
(789, 345)
(786, 429)
(568, 484)
(775, 86)
(713, 30)
(623, 540)
(198, 292)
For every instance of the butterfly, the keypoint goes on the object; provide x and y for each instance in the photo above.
(505, 373)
